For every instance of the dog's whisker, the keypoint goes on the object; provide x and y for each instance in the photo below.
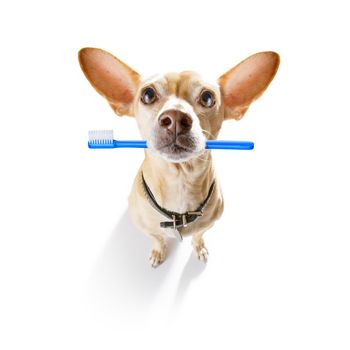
(203, 159)
(209, 133)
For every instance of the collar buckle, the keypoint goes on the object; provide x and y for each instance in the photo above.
(184, 220)
(174, 222)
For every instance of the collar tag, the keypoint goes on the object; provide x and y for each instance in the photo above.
(173, 233)
(178, 235)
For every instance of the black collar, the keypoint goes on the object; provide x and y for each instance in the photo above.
(178, 220)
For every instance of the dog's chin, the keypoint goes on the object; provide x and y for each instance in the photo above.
(176, 153)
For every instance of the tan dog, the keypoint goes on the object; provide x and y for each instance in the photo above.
(176, 113)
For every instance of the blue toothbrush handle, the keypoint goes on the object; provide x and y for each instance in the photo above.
(130, 144)
(239, 145)
(210, 144)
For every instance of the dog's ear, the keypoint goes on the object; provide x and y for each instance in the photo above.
(243, 84)
(112, 78)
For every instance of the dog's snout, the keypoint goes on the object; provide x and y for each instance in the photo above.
(175, 121)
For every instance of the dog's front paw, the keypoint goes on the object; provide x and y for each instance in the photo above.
(202, 254)
(157, 257)
(200, 250)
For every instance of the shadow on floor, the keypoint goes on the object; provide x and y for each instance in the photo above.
(123, 278)
(190, 272)
(123, 272)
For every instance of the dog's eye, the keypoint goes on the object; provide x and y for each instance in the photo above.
(148, 96)
(207, 99)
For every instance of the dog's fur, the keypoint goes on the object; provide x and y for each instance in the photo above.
(177, 168)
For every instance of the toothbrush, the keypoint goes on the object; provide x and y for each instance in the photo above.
(104, 139)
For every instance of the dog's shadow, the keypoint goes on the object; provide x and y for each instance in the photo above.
(191, 271)
(122, 272)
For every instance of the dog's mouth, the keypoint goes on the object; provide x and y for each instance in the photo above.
(174, 148)
(180, 149)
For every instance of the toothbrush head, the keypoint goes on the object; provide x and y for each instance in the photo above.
(101, 139)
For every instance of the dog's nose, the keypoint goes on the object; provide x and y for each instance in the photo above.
(175, 121)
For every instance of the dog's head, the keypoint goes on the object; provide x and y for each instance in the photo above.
(177, 112)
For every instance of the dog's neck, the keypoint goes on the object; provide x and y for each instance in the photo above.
(182, 186)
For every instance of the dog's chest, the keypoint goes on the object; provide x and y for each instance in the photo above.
(181, 197)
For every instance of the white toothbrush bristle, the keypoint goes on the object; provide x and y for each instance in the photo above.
(101, 137)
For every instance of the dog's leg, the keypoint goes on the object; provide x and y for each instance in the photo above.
(158, 250)
(198, 246)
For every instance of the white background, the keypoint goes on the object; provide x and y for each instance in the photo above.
(74, 272)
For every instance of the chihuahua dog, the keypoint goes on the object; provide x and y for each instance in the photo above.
(176, 113)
